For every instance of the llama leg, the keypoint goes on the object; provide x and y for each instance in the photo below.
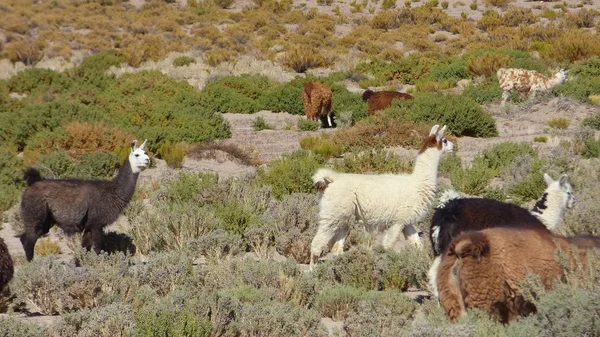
(93, 238)
(412, 235)
(391, 236)
(323, 240)
(339, 239)
(432, 276)
(505, 96)
(28, 241)
(329, 121)
(86, 240)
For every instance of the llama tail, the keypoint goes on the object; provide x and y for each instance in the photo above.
(31, 176)
(323, 177)
(368, 93)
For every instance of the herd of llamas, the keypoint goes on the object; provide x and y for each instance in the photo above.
(483, 248)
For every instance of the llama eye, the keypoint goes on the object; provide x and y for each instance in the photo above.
(137, 155)
(445, 140)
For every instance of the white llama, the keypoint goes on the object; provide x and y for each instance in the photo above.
(527, 81)
(390, 202)
(455, 215)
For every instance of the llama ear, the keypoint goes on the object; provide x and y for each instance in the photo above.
(143, 146)
(133, 144)
(548, 179)
(562, 180)
(440, 133)
(434, 130)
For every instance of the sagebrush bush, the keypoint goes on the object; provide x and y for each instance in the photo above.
(166, 319)
(592, 122)
(300, 60)
(52, 287)
(502, 154)
(294, 220)
(580, 88)
(18, 327)
(292, 173)
(381, 313)
(217, 245)
(238, 94)
(462, 116)
(337, 301)
(375, 161)
(277, 319)
(486, 64)
(113, 319)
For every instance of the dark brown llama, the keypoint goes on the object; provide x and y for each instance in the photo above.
(78, 205)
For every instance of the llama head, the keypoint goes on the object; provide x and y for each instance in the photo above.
(562, 75)
(437, 140)
(562, 188)
(138, 158)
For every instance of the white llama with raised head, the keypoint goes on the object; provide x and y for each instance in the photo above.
(392, 202)
(527, 81)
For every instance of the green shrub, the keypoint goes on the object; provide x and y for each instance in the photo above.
(540, 139)
(591, 148)
(387, 4)
(308, 125)
(406, 70)
(165, 319)
(486, 92)
(183, 61)
(259, 124)
(188, 187)
(450, 69)
(472, 180)
(292, 173)
(559, 123)
(301, 59)
(502, 154)
(322, 145)
(11, 181)
(589, 68)
(235, 217)
(592, 121)
(285, 98)
(462, 116)
(97, 165)
(173, 154)
(580, 88)
(238, 94)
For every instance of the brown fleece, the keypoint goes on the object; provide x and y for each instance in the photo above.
(318, 100)
(483, 269)
(381, 99)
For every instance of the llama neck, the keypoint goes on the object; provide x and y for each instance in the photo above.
(550, 209)
(555, 80)
(124, 182)
(425, 172)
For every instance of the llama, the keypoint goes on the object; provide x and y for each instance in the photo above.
(483, 269)
(318, 101)
(381, 99)
(78, 205)
(527, 81)
(7, 268)
(557, 197)
(390, 202)
(458, 215)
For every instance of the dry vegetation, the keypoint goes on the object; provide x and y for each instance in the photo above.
(206, 255)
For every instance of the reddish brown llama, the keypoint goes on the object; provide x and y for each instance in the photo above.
(483, 269)
(318, 101)
(6, 265)
(381, 99)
